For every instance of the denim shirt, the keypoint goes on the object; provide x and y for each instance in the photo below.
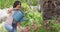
(18, 15)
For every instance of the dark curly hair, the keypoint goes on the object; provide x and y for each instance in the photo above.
(16, 3)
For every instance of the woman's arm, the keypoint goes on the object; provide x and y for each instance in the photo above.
(18, 24)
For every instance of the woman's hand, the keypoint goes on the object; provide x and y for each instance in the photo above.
(10, 11)
(18, 24)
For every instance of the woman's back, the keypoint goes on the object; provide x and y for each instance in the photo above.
(10, 18)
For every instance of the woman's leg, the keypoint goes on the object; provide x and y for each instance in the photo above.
(14, 26)
(8, 27)
(9, 31)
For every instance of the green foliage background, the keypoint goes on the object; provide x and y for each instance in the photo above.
(30, 15)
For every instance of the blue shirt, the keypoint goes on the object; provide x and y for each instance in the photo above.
(18, 15)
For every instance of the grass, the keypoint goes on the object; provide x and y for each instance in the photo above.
(2, 28)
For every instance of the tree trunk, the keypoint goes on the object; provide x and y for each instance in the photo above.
(50, 8)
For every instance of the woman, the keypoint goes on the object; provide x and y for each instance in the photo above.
(10, 24)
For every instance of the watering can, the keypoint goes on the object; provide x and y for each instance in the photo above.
(18, 16)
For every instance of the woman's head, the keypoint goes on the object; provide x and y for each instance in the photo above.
(17, 4)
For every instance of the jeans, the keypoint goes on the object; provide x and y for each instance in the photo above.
(11, 28)
(14, 25)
